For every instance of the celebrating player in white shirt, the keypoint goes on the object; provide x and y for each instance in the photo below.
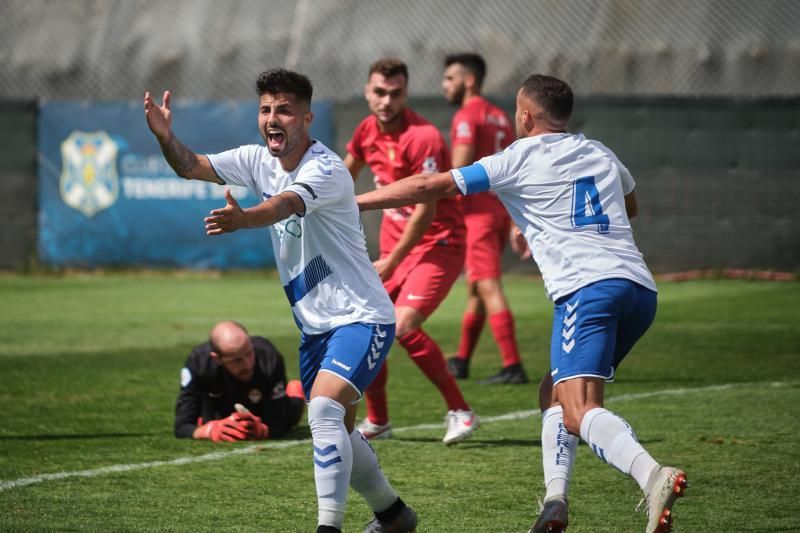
(572, 199)
(338, 302)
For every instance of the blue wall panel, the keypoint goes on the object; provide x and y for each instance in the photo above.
(107, 197)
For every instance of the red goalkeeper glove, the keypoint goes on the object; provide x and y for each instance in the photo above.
(227, 429)
(256, 429)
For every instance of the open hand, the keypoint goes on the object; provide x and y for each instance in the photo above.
(159, 117)
(226, 219)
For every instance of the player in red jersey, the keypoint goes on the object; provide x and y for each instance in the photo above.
(478, 129)
(421, 248)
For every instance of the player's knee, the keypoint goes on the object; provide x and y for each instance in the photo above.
(489, 288)
(406, 325)
(407, 319)
(572, 420)
(401, 331)
(323, 410)
(573, 416)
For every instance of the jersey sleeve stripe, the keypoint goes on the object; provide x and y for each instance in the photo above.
(473, 178)
(308, 187)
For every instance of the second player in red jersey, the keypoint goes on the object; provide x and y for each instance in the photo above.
(421, 248)
(417, 147)
(480, 128)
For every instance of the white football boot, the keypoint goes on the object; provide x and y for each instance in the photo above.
(375, 431)
(460, 425)
(666, 484)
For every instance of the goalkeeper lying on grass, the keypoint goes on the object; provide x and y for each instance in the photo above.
(233, 387)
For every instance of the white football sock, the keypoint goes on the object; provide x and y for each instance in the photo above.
(642, 470)
(559, 449)
(367, 478)
(333, 459)
(613, 440)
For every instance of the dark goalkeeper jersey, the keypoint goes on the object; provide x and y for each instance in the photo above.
(208, 392)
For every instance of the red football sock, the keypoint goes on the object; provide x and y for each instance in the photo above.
(429, 358)
(375, 397)
(471, 327)
(502, 325)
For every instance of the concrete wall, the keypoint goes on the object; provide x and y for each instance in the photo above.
(17, 183)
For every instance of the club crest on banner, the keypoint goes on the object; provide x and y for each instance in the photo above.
(89, 181)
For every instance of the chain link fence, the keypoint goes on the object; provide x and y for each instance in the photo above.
(210, 49)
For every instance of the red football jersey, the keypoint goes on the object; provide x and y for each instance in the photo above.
(418, 147)
(488, 128)
(482, 124)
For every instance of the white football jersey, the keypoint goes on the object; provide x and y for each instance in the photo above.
(321, 255)
(567, 195)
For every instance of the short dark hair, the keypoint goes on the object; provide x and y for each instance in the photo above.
(279, 80)
(470, 61)
(554, 95)
(389, 67)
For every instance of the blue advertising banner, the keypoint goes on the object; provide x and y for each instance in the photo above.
(107, 197)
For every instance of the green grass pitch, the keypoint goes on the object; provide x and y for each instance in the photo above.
(89, 368)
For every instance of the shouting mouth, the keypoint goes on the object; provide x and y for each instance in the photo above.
(276, 140)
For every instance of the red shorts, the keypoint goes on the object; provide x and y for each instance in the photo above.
(423, 280)
(488, 227)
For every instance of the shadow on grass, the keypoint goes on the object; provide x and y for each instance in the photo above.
(492, 443)
(301, 432)
(474, 443)
(79, 436)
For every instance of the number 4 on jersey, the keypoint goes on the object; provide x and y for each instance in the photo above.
(586, 210)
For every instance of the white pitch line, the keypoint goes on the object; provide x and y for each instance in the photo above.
(217, 456)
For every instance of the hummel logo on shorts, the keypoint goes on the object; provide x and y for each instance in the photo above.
(340, 364)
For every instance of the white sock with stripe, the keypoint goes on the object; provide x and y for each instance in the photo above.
(559, 449)
(612, 439)
(333, 459)
(367, 478)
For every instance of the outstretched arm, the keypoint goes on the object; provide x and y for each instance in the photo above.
(421, 188)
(418, 223)
(232, 217)
(183, 161)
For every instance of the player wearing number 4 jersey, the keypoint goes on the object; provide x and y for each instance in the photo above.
(345, 317)
(572, 199)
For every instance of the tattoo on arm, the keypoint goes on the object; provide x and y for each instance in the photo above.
(181, 159)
